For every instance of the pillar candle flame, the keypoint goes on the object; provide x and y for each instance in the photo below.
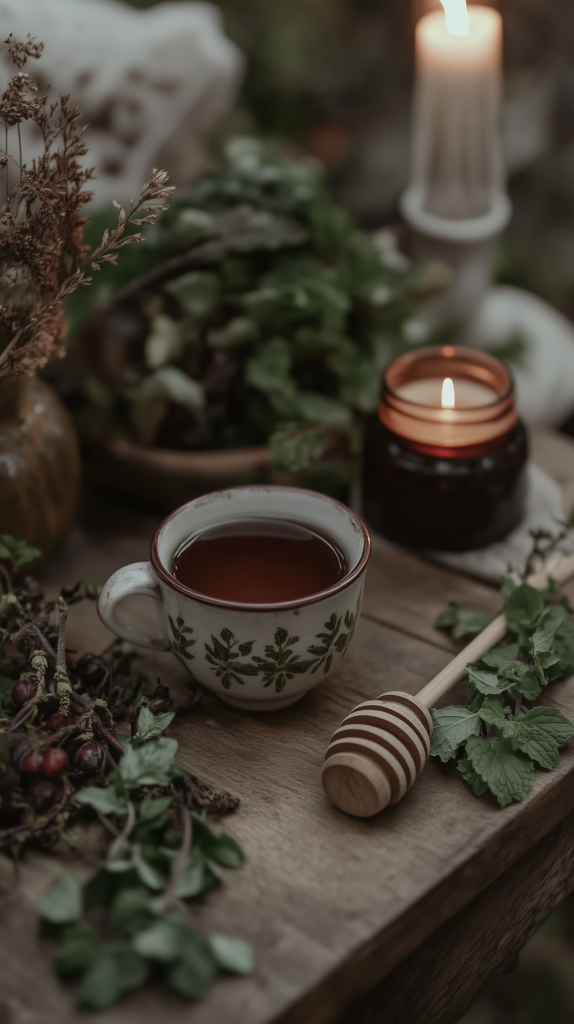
(457, 19)
(447, 400)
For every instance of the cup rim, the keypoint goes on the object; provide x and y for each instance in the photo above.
(175, 584)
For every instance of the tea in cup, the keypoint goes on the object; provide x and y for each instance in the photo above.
(260, 590)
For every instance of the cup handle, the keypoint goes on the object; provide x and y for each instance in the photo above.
(136, 578)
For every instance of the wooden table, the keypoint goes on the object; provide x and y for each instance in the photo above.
(401, 918)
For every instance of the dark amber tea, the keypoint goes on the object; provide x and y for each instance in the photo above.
(258, 561)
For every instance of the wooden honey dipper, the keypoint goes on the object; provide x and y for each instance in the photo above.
(379, 749)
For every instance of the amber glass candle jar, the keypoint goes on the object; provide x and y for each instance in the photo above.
(445, 455)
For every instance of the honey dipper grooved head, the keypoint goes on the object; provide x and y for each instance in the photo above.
(376, 753)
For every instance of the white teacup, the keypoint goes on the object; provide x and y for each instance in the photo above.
(255, 656)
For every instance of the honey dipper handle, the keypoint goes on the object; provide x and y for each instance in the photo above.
(559, 569)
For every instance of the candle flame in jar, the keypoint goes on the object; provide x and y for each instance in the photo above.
(447, 399)
(457, 20)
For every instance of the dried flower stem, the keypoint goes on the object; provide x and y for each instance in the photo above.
(42, 255)
(116, 849)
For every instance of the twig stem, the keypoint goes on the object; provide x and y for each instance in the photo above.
(183, 853)
(7, 580)
(117, 848)
(61, 655)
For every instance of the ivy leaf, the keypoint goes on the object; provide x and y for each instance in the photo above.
(564, 647)
(522, 609)
(153, 807)
(539, 733)
(150, 726)
(486, 683)
(117, 970)
(148, 765)
(163, 941)
(507, 587)
(323, 410)
(168, 383)
(509, 774)
(500, 655)
(521, 680)
(5, 691)
(62, 904)
(451, 727)
(492, 711)
(18, 552)
(118, 867)
(226, 851)
(460, 621)
(269, 371)
(222, 849)
(193, 880)
(197, 292)
(232, 954)
(77, 951)
(553, 617)
(192, 975)
(295, 445)
(106, 801)
(553, 722)
(131, 910)
(531, 740)
(542, 642)
(477, 784)
(146, 872)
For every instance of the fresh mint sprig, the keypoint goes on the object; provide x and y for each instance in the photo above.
(499, 739)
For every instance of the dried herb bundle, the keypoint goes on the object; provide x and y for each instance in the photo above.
(61, 757)
(42, 255)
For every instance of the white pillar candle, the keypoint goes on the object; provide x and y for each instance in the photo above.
(457, 166)
(430, 391)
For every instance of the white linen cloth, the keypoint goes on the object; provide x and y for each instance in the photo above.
(149, 83)
(545, 378)
(544, 511)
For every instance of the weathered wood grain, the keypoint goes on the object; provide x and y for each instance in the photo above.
(332, 904)
(408, 593)
(451, 967)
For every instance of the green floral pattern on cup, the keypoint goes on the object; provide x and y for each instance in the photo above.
(334, 641)
(223, 656)
(180, 644)
(280, 663)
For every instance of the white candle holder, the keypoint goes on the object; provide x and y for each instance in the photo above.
(456, 202)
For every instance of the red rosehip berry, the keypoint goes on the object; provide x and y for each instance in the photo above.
(42, 794)
(54, 761)
(23, 691)
(89, 757)
(57, 721)
(31, 763)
